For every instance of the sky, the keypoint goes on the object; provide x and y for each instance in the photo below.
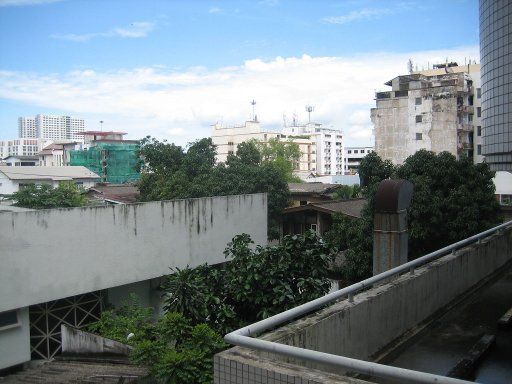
(171, 69)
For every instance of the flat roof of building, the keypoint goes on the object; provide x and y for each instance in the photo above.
(101, 133)
(47, 173)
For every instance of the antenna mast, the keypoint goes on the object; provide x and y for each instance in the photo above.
(309, 109)
(253, 103)
(101, 125)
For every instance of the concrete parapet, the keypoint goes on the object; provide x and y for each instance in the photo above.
(378, 316)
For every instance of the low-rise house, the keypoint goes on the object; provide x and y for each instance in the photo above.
(57, 154)
(305, 193)
(20, 161)
(318, 216)
(14, 178)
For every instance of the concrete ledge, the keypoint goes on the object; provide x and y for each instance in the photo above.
(75, 341)
(238, 366)
(466, 367)
(505, 321)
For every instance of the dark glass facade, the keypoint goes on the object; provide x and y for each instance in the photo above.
(496, 72)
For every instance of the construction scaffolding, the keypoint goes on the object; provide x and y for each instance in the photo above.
(113, 162)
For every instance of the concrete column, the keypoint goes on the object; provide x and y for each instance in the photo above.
(390, 236)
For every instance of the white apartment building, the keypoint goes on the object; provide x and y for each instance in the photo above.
(22, 147)
(353, 156)
(438, 110)
(328, 146)
(226, 139)
(27, 127)
(321, 148)
(51, 127)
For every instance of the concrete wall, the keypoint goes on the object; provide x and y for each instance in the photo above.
(75, 341)
(14, 348)
(51, 254)
(380, 315)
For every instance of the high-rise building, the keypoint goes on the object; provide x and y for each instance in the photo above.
(329, 146)
(26, 127)
(437, 110)
(495, 54)
(51, 127)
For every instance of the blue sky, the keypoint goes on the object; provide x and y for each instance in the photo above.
(172, 68)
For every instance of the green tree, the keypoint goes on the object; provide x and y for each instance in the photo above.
(256, 283)
(44, 196)
(196, 175)
(347, 192)
(453, 199)
(175, 350)
(284, 155)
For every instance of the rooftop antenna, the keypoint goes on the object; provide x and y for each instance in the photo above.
(253, 103)
(101, 125)
(309, 109)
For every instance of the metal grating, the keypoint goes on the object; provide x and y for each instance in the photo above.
(46, 319)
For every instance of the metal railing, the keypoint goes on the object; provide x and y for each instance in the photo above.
(242, 337)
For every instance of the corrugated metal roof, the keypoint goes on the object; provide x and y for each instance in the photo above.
(47, 173)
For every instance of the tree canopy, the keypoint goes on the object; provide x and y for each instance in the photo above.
(170, 172)
(255, 284)
(453, 199)
(44, 196)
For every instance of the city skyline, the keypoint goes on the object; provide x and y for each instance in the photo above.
(172, 69)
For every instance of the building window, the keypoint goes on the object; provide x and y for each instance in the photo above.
(230, 152)
(479, 131)
(230, 143)
(9, 319)
(470, 118)
(356, 151)
(349, 151)
(419, 136)
(419, 118)
(478, 111)
(479, 149)
(478, 93)
(417, 101)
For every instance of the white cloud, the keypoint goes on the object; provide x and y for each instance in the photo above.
(214, 10)
(17, 3)
(134, 30)
(363, 14)
(181, 105)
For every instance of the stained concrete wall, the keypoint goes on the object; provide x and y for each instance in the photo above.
(75, 341)
(51, 254)
(380, 315)
(14, 348)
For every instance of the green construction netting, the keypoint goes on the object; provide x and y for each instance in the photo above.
(119, 165)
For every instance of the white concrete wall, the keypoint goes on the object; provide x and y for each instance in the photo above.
(7, 187)
(14, 345)
(51, 254)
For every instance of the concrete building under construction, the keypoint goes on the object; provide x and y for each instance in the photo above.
(437, 110)
(115, 160)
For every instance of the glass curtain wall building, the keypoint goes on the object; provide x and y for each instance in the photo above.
(496, 72)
